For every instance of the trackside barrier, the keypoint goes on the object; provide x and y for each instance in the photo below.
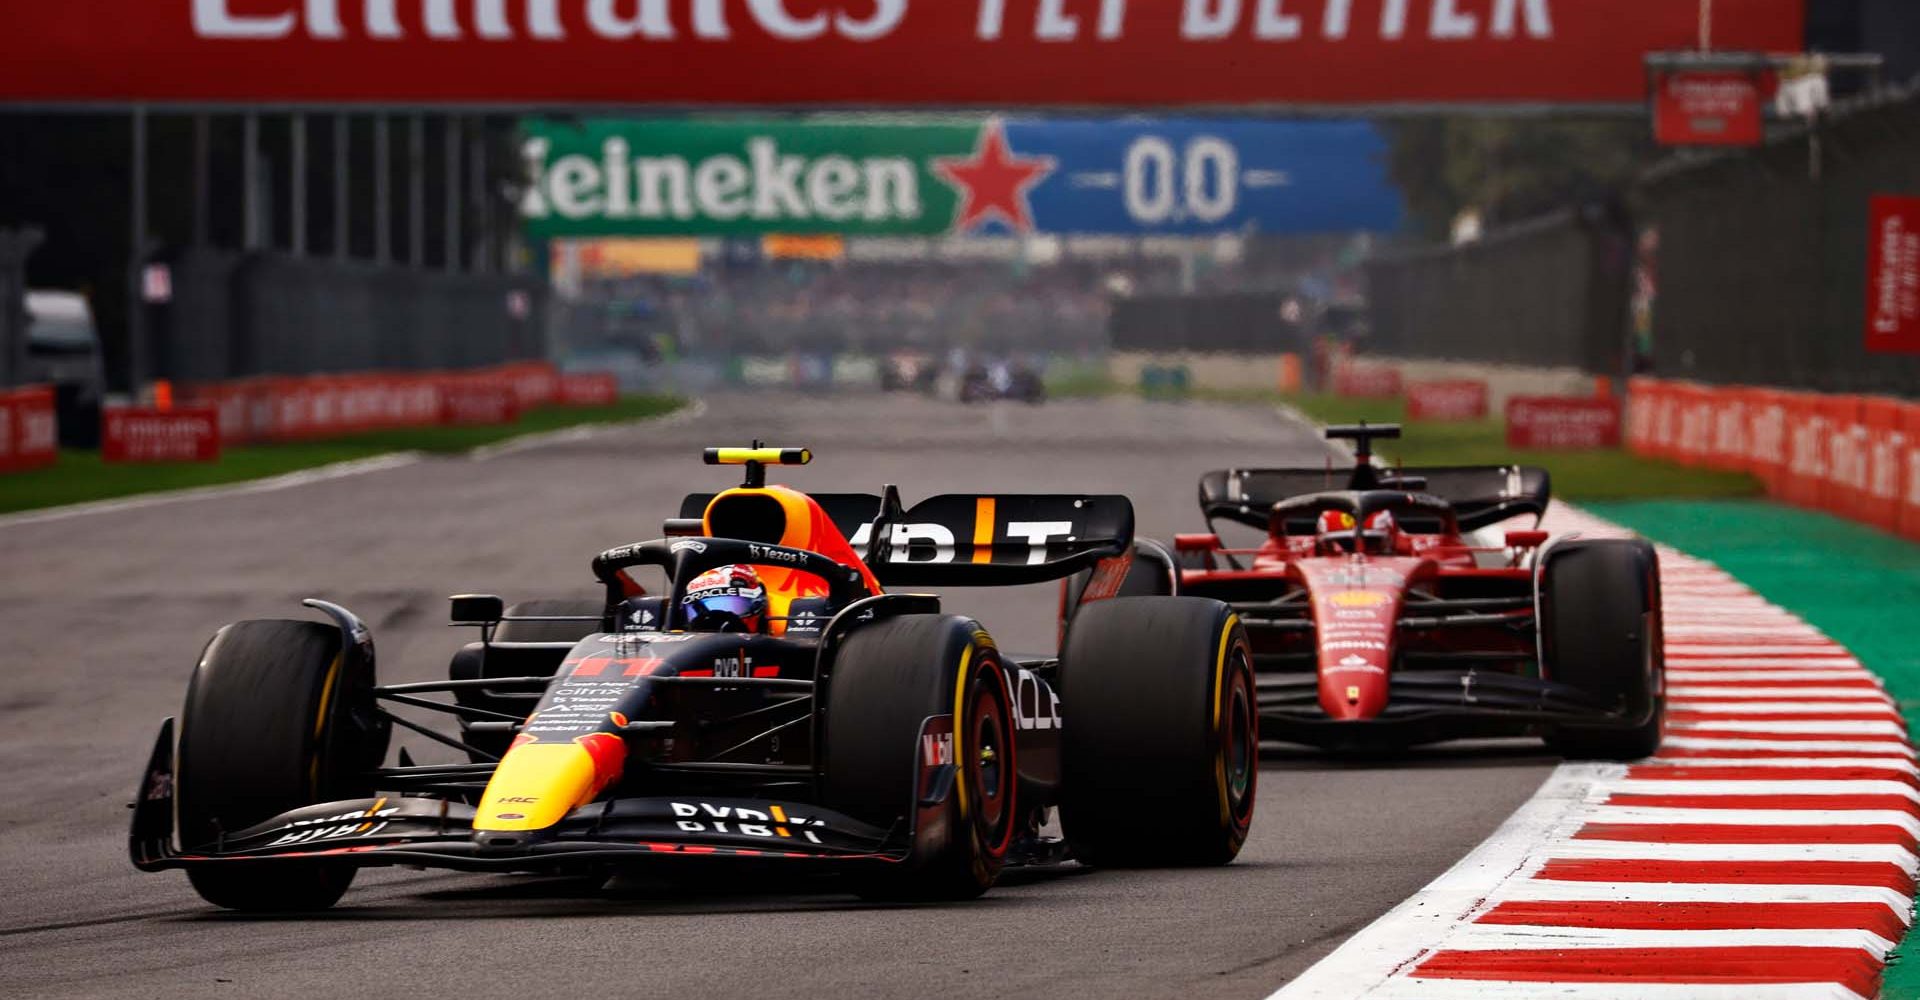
(1448, 399)
(1562, 422)
(29, 430)
(144, 434)
(270, 408)
(1856, 457)
(1365, 380)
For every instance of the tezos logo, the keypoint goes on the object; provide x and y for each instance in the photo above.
(772, 553)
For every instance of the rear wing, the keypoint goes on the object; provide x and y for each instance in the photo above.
(1480, 495)
(977, 540)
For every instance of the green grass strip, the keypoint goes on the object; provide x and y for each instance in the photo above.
(1857, 584)
(80, 476)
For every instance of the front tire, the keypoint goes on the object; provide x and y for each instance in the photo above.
(1160, 750)
(887, 679)
(275, 719)
(1601, 632)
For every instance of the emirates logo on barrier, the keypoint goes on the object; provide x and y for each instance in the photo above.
(1730, 430)
(1883, 480)
(1770, 434)
(1808, 459)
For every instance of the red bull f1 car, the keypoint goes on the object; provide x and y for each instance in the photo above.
(854, 730)
(1397, 609)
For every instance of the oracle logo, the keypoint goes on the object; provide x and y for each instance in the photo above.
(542, 20)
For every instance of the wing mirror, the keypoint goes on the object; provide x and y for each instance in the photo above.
(477, 609)
(1526, 539)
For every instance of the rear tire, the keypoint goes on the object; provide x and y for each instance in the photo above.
(273, 722)
(1601, 632)
(1151, 573)
(1160, 750)
(888, 678)
(550, 631)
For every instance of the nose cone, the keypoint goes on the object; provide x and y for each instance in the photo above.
(538, 784)
(1353, 693)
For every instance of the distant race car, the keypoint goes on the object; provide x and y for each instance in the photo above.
(996, 380)
(851, 730)
(907, 370)
(1379, 620)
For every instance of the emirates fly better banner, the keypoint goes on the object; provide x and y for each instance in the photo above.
(870, 53)
(868, 177)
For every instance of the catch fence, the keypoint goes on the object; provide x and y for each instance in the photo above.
(1550, 292)
(1746, 266)
(238, 315)
(15, 246)
(1760, 268)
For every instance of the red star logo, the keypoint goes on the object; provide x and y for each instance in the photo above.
(994, 182)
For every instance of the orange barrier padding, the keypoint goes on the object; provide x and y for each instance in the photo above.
(1693, 424)
(1665, 429)
(1766, 420)
(1885, 473)
(29, 429)
(589, 389)
(478, 399)
(150, 434)
(1909, 486)
(311, 407)
(1639, 429)
(1807, 441)
(1448, 399)
(1845, 485)
(1728, 446)
(1857, 457)
(1290, 373)
(1364, 380)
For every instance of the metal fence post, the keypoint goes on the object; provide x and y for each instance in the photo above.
(202, 187)
(477, 180)
(136, 257)
(450, 253)
(382, 191)
(297, 186)
(250, 237)
(341, 217)
(416, 192)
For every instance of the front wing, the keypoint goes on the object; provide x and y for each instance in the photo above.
(438, 833)
(1427, 706)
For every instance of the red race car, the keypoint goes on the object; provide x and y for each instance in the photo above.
(1399, 608)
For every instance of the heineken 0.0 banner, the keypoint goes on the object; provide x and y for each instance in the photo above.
(680, 177)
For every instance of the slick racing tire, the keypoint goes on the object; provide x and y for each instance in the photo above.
(1160, 748)
(550, 631)
(1152, 573)
(887, 679)
(272, 722)
(1600, 631)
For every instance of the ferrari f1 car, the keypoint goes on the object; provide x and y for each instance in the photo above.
(1389, 613)
(856, 731)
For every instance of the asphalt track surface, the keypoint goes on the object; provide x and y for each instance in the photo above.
(101, 616)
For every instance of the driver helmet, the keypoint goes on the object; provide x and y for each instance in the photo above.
(726, 599)
(1333, 532)
(1381, 532)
